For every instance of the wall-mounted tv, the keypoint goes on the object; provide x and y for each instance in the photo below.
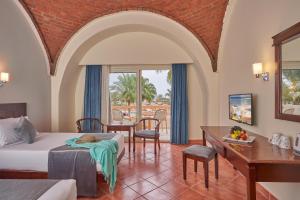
(241, 108)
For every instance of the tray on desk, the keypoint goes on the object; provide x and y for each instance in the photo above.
(249, 140)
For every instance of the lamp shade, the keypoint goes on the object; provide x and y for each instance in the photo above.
(257, 68)
(4, 77)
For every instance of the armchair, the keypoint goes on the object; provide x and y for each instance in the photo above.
(147, 133)
(95, 125)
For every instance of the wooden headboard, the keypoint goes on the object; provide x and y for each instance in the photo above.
(8, 110)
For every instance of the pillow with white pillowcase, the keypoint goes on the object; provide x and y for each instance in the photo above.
(25, 130)
(7, 131)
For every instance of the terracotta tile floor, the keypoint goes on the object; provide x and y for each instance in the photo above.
(144, 176)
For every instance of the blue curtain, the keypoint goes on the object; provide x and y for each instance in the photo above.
(92, 94)
(179, 105)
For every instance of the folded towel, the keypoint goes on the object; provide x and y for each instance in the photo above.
(105, 153)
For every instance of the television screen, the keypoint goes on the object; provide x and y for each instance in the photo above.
(240, 108)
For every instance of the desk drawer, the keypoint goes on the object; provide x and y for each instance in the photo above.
(216, 145)
(237, 162)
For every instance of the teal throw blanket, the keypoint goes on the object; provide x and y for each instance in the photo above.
(105, 153)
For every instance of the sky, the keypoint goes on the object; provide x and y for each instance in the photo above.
(158, 79)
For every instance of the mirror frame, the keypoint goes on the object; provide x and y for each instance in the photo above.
(278, 40)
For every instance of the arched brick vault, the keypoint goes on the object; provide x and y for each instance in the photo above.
(58, 20)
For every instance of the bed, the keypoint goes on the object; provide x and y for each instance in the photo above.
(36, 154)
(38, 189)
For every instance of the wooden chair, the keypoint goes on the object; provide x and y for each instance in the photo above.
(289, 111)
(147, 133)
(161, 115)
(203, 154)
(96, 125)
(117, 115)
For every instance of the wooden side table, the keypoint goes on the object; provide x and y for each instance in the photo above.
(121, 127)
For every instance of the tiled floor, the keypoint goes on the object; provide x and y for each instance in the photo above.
(145, 176)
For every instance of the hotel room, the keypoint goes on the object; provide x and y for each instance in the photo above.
(149, 100)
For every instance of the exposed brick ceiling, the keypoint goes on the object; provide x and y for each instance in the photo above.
(58, 20)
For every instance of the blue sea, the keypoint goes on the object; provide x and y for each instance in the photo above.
(240, 100)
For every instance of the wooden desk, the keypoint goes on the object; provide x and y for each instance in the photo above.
(121, 127)
(258, 162)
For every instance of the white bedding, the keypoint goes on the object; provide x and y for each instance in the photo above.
(22, 156)
(63, 190)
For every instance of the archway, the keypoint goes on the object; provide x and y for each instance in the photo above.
(129, 21)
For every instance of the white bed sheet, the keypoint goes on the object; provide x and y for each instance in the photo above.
(22, 156)
(63, 190)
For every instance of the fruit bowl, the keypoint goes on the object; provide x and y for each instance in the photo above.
(237, 134)
(250, 139)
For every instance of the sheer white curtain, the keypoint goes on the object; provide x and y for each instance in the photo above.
(105, 104)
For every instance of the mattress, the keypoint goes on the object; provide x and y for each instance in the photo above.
(63, 190)
(22, 156)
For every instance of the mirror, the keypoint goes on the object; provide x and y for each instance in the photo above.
(290, 77)
(287, 82)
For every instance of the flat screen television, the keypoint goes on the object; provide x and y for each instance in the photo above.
(241, 108)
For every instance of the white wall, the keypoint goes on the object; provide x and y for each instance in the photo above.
(79, 94)
(248, 39)
(196, 106)
(135, 48)
(144, 48)
(22, 57)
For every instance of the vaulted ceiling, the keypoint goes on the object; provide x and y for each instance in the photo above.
(58, 20)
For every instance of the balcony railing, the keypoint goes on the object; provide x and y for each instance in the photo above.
(129, 114)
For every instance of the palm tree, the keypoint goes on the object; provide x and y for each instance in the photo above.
(286, 96)
(169, 77)
(290, 86)
(124, 89)
(149, 90)
(168, 93)
(292, 76)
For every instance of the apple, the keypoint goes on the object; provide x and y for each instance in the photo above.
(244, 136)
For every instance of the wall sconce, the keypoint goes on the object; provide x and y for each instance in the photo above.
(258, 71)
(4, 78)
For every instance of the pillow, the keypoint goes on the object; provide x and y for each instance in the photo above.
(7, 132)
(25, 130)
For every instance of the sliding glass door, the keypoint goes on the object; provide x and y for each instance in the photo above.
(141, 92)
(156, 98)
